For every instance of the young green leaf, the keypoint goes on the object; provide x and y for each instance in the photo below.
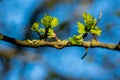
(46, 21)
(96, 30)
(81, 28)
(49, 21)
(54, 22)
(76, 39)
(89, 20)
(51, 33)
(35, 27)
(85, 17)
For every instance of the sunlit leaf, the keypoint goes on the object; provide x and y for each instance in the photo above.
(76, 39)
(46, 21)
(85, 17)
(89, 20)
(54, 22)
(97, 31)
(51, 33)
(81, 28)
(35, 27)
(49, 21)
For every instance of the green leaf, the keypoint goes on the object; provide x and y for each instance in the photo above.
(35, 27)
(49, 21)
(89, 20)
(51, 33)
(85, 17)
(88, 17)
(54, 22)
(42, 31)
(46, 20)
(81, 28)
(96, 30)
(76, 39)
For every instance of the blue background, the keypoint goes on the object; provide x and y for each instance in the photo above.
(16, 18)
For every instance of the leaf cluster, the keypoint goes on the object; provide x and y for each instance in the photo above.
(49, 23)
(89, 27)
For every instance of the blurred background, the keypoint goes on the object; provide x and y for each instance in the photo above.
(19, 63)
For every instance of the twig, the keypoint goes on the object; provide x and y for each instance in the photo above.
(85, 54)
(99, 18)
(58, 44)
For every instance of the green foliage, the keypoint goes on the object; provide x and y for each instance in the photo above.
(89, 26)
(81, 28)
(96, 31)
(35, 27)
(89, 20)
(76, 39)
(51, 33)
(49, 23)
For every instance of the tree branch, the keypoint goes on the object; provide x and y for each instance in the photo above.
(57, 44)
